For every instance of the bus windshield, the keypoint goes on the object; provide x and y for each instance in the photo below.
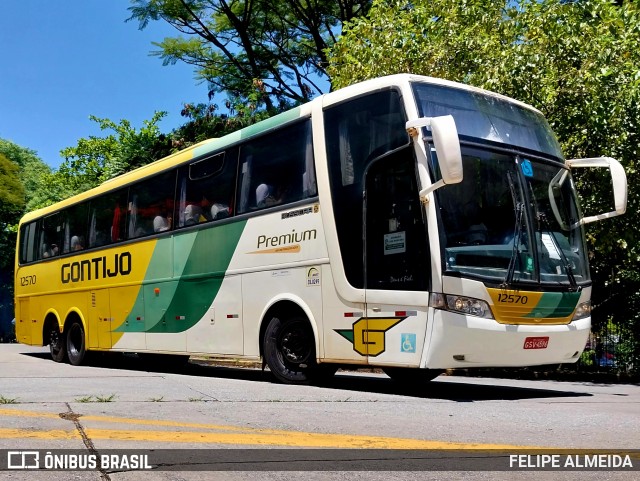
(512, 219)
(489, 118)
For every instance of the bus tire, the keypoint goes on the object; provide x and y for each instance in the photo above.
(289, 349)
(57, 345)
(76, 346)
(406, 375)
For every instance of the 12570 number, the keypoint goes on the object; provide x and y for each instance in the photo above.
(513, 298)
(28, 280)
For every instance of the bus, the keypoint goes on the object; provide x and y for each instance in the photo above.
(406, 222)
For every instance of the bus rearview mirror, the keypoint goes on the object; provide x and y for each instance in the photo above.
(447, 144)
(619, 184)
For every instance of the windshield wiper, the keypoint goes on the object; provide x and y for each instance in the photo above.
(541, 217)
(564, 261)
(517, 234)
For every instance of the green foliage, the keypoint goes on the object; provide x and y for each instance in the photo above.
(31, 171)
(12, 204)
(12, 199)
(20, 174)
(256, 51)
(588, 358)
(105, 398)
(441, 38)
(96, 159)
(205, 123)
(578, 62)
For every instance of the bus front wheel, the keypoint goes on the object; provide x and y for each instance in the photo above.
(76, 348)
(289, 349)
(57, 345)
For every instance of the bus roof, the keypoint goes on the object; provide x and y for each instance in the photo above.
(212, 145)
(405, 79)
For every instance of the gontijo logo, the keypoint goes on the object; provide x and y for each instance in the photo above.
(96, 268)
(368, 334)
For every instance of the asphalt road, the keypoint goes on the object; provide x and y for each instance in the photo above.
(120, 402)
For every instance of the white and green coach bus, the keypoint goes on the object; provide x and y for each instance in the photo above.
(406, 222)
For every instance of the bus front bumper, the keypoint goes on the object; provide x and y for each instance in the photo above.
(459, 341)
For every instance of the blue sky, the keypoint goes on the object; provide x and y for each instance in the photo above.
(65, 60)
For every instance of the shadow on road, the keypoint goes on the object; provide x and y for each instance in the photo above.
(466, 391)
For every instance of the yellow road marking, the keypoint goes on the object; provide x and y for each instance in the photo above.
(148, 422)
(287, 438)
(233, 435)
(28, 414)
(32, 434)
(291, 439)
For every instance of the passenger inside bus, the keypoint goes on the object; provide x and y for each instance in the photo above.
(193, 215)
(49, 252)
(219, 211)
(77, 243)
(267, 195)
(161, 223)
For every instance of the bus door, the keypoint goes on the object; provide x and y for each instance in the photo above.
(396, 263)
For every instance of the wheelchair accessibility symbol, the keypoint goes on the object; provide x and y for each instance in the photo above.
(527, 168)
(407, 342)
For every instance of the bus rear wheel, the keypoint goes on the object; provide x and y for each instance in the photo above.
(76, 348)
(289, 350)
(57, 345)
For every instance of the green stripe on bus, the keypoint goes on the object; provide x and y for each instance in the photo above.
(247, 132)
(555, 304)
(270, 123)
(201, 259)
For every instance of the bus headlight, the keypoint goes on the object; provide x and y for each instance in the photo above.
(461, 304)
(582, 310)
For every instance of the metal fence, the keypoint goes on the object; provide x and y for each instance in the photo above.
(611, 350)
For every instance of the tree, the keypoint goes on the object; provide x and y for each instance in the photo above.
(96, 159)
(257, 51)
(12, 204)
(441, 38)
(31, 172)
(205, 123)
(20, 173)
(578, 62)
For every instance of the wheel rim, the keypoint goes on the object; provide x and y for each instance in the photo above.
(75, 340)
(294, 346)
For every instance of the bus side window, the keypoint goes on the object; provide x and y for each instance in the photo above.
(52, 236)
(206, 189)
(107, 219)
(277, 168)
(149, 200)
(75, 227)
(27, 243)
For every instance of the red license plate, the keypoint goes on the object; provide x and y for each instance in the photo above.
(536, 342)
